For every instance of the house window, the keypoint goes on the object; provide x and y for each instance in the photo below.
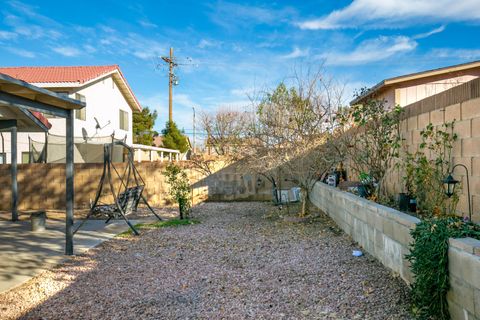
(3, 158)
(80, 114)
(124, 120)
(25, 157)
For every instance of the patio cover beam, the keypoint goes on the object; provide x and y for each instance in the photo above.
(12, 100)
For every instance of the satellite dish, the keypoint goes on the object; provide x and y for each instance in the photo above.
(84, 134)
(98, 126)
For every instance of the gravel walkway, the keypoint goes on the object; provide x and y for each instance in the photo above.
(241, 262)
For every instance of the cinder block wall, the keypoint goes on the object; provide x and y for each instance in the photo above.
(381, 231)
(466, 149)
(42, 186)
(464, 265)
(462, 104)
(385, 234)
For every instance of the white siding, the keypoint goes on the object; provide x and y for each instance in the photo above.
(103, 99)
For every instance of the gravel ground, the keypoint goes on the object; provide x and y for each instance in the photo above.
(242, 261)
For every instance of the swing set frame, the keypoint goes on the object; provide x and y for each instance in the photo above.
(126, 199)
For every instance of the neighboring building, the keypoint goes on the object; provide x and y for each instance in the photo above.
(110, 101)
(407, 89)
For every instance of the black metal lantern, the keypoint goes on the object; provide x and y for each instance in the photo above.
(449, 183)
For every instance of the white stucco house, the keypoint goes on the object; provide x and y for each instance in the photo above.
(407, 89)
(109, 100)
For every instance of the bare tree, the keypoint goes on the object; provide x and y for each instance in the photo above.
(294, 131)
(226, 133)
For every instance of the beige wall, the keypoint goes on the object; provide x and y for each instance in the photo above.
(385, 234)
(466, 149)
(461, 103)
(409, 92)
(42, 186)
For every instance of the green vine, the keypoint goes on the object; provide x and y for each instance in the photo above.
(429, 263)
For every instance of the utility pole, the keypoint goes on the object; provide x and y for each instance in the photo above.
(193, 130)
(172, 81)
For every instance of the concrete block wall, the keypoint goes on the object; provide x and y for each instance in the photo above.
(464, 266)
(466, 149)
(385, 234)
(42, 186)
(381, 231)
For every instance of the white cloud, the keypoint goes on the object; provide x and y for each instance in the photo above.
(67, 51)
(463, 54)
(7, 35)
(89, 48)
(22, 53)
(230, 15)
(147, 24)
(205, 43)
(371, 50)
(429, 33)
(394, 13)
(296, 53)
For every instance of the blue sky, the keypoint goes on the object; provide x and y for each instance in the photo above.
(233, 48)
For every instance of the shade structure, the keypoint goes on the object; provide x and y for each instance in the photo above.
(21, 108)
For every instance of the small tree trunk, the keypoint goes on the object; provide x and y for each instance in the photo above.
(180, 209)
(303, 195)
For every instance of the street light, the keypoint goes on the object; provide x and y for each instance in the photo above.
(450, 184)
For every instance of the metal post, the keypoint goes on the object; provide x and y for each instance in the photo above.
(468, 188)
(4, 156)
(46, 147)
(194, 133)
(13, 150)
(69, 190)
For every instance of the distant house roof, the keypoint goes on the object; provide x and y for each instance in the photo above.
(414, 76)
(72, 76)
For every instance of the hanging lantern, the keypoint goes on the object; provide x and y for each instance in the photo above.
(449, 183)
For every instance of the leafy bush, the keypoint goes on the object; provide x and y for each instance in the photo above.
(373, 141)
(179, 188)
(429, 259)
(426, 169)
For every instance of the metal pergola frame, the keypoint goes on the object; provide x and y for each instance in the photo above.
(21, 95)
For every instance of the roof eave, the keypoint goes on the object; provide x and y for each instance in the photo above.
(368, 93)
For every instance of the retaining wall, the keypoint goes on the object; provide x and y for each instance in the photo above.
(385, 234)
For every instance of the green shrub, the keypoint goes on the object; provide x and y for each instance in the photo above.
(179, 188)
(429, 260)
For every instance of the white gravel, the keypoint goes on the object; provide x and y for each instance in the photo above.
(236, 264)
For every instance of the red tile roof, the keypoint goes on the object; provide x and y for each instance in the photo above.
(76, 74)
(79, 74)
(40, 117)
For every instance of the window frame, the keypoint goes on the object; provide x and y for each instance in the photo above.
(27, 153)
(80, 114)
(124, 121)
